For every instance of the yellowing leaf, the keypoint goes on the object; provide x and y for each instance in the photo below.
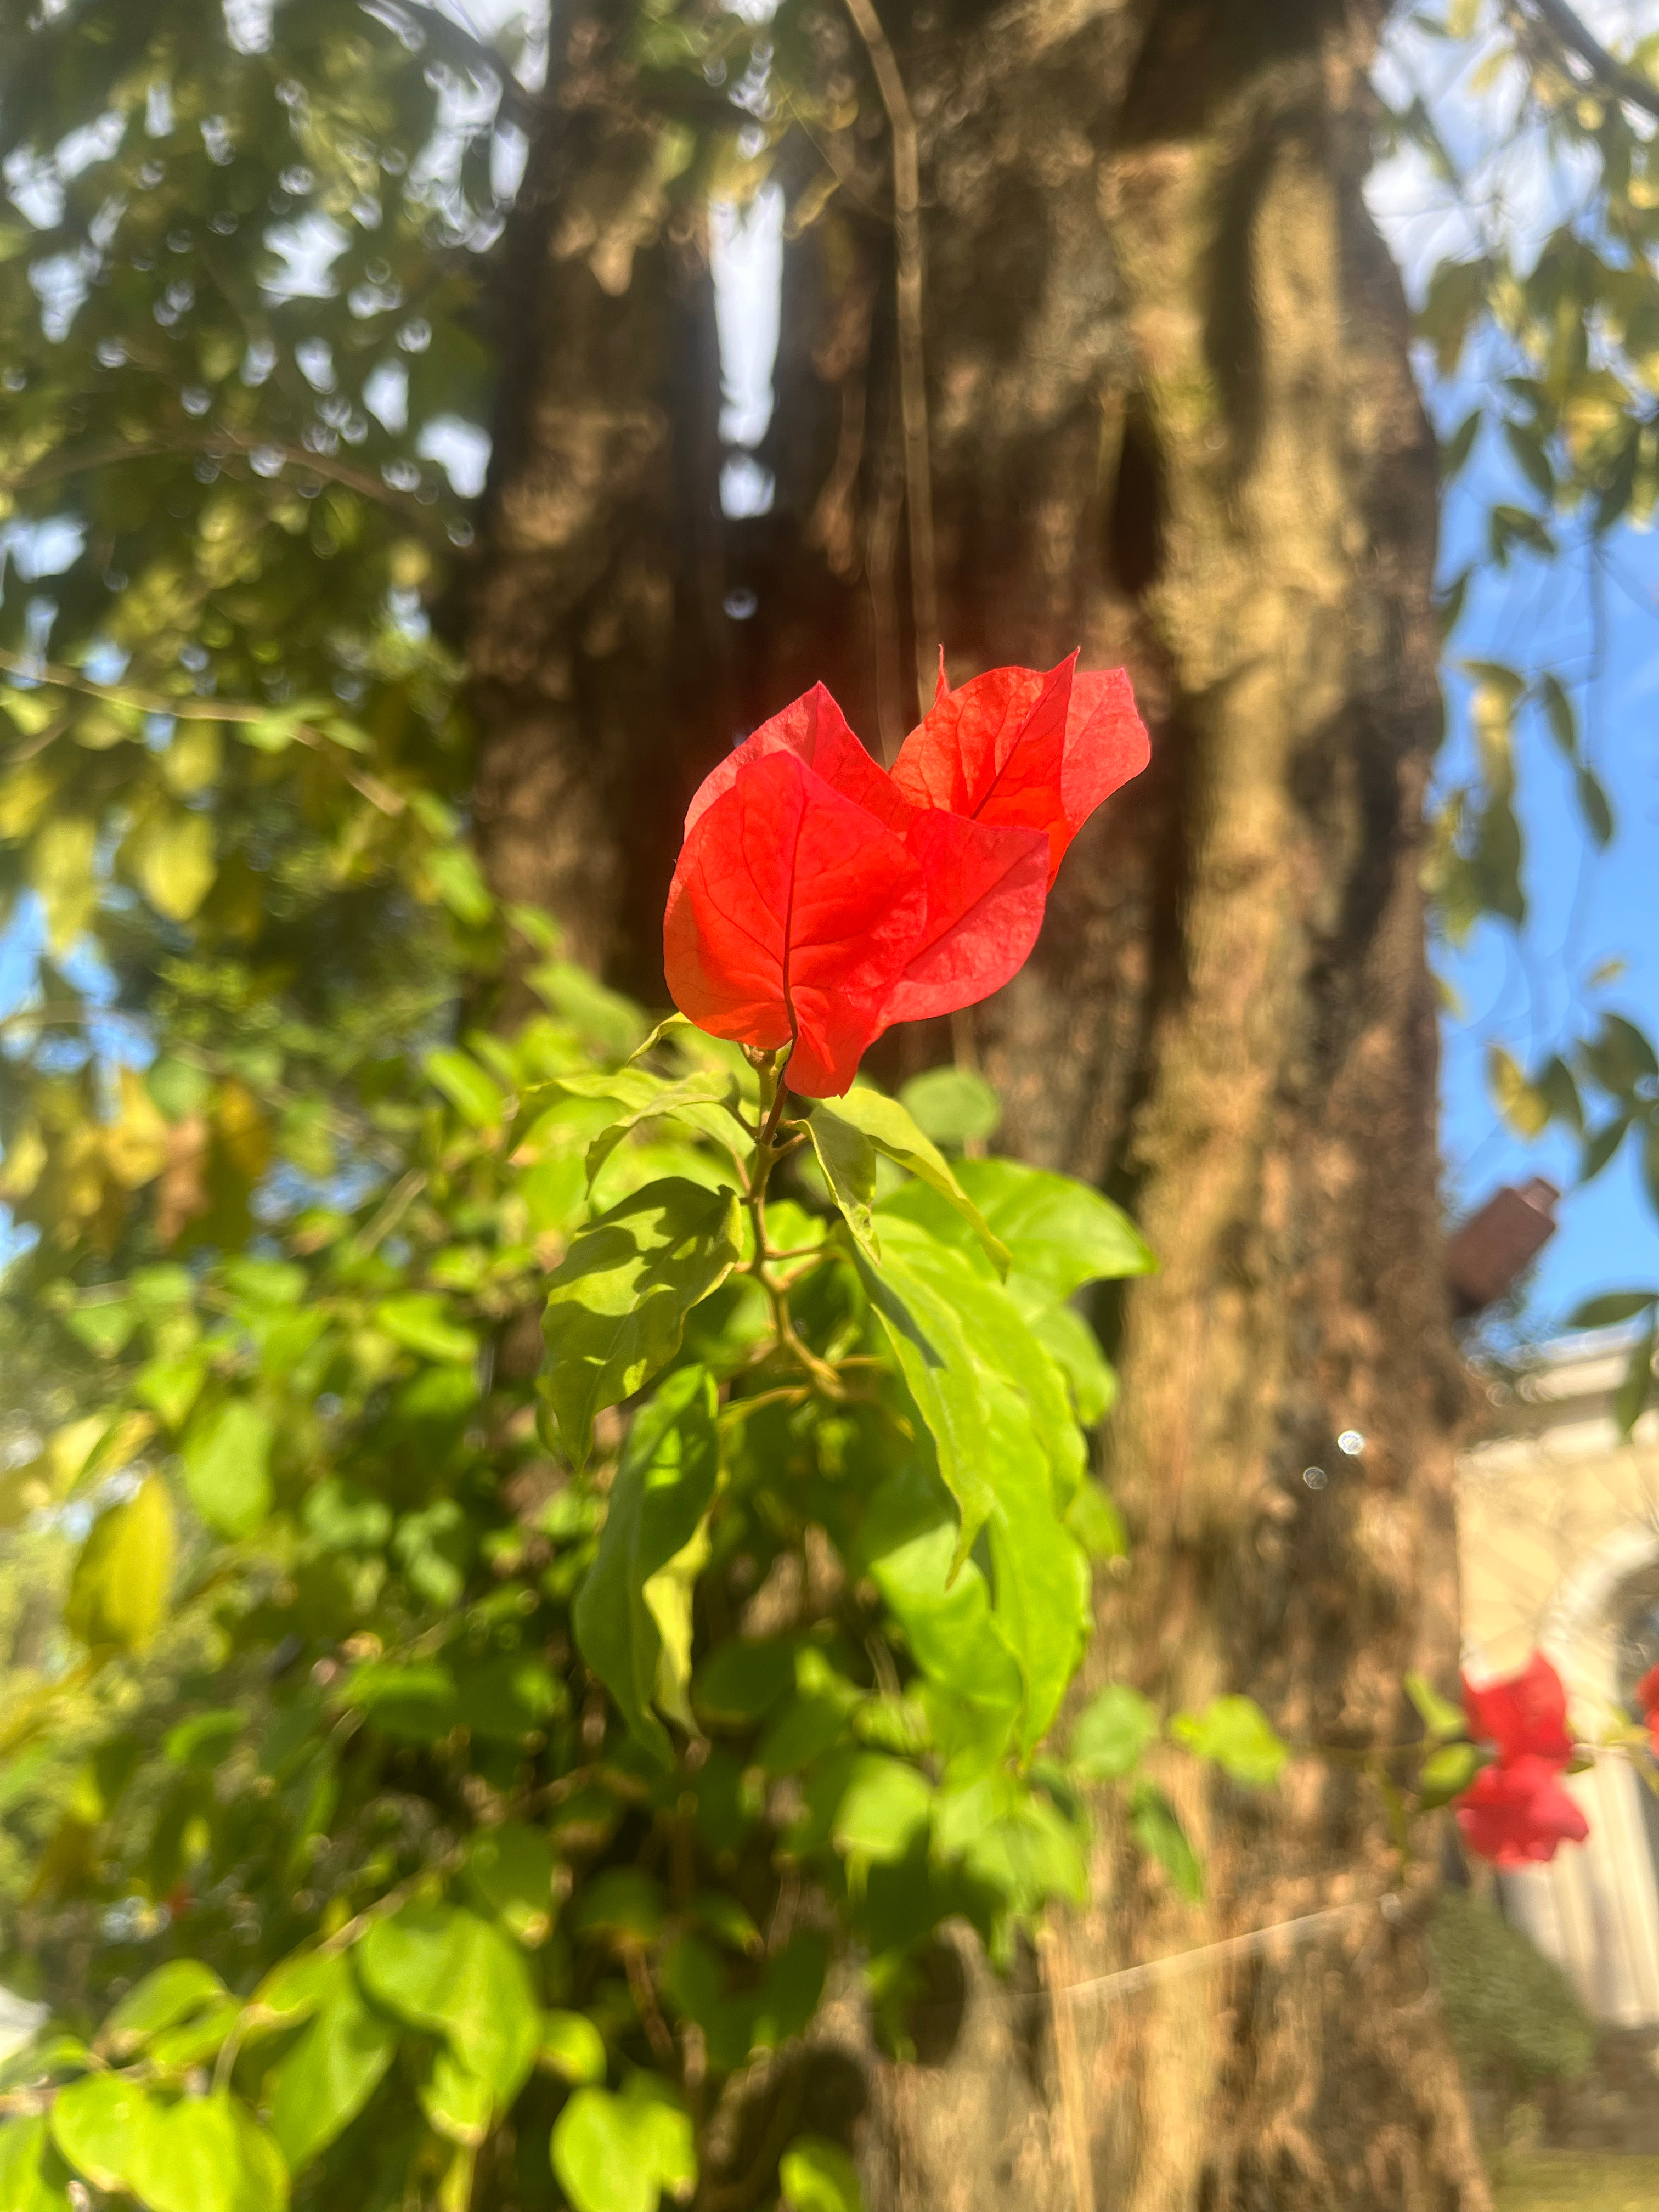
(191, 762)
(60, 867)
(171, 856)
(136, 1146)
(119, 1592)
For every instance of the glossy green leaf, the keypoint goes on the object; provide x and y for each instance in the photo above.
(474, 1094)
(117, 1594)
(618, 1302)
(1111, 1733)
(172, 1993)
(207, 2155)
(848, 1162)
(572, 2047)
(442, 1968)
(1058, 1231)
(661, 1491)
(815, 2176)
(31, 2175)
(1155, 1827)
(330, 2074)
(703, 1100)
(952, 1106)
(623, 2154)
(509, 1870)
(227, 1461)
(96, 2123)
(884, 1122)
(1235, 1734)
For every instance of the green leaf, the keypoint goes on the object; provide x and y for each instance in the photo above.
(703, 1100)
(1058, 1232)
(1601, 1144)
(622, 1905)
(95, 2124)
(933, 1356)
(1235, 1734)
(413, 1701)
(1040, 1574)
(1096, 1523)
(227, 1461)
(1439, 1716)
(173, 858)
(442, 1968)
(1560, 714)
(887, 1126)
(31, 2179)
(613, 1025)
(421, 1322)
(816, 2177)
(1619, 1057)
(173, 1992)
(1596, 807)
(1447, 1772)
(455, 876)
(741, 1680)
(1458, 447)
(335, 2068)
(1154, 1823)
(509, 1869)
(476, 1096)
(1635, 1393)
(1611, 1307)
(952, 1105)
(117, 1594)
(620, 2154)
(572, 2047)
(207, 2155)
(457, 2102)
(662, 1490)
(1521, 1105)
(1111, 1733)
(616, 1304)
(882, 1809)
(848, 1161)
(1527, 447)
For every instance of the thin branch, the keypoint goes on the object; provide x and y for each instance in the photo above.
(1611, 74)
(363, 781)
(218, 442)
(913, 382)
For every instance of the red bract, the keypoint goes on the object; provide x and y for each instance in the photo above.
(801, 947)
(1647, 1696)
(792, 915)
(1017, 747)
(1523, 1715)
(1517, 1812)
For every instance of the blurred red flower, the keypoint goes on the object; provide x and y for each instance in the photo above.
(1517, 1813)
(816, 900)
(1515, 1810)
(1647, 1696)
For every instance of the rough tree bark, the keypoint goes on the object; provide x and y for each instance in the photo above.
(1174, 423)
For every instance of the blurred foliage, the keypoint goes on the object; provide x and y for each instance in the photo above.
(1556, 341)
(1514, 2019)
(328, 1831)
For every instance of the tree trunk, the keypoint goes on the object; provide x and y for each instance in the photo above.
(592, 619)
(1172, 422)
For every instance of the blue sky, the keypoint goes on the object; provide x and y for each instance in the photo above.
(1596, 627)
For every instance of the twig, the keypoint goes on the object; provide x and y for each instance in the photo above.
(1621, 83)
(913, 383)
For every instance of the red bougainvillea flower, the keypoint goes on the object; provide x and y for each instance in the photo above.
(1016, 747)
(1523, 1715)
(790, 917)
(1516, 1810)
(1647, 1696)
(778, 931)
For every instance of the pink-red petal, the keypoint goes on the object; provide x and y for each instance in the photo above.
(1518, 1814)
(814, 731)
(791, 918)
(986, 888)
(1523, 1715)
